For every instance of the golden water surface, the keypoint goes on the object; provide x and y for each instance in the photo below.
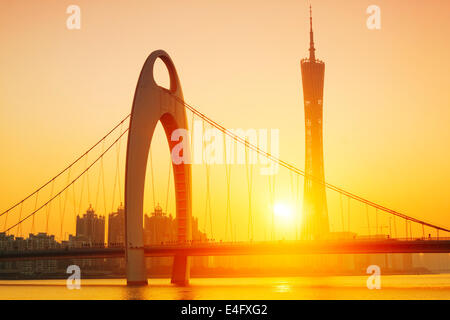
(340, 287)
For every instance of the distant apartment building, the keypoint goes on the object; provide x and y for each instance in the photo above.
(90, 231)
(116, 227)
(35, 242)
(21, 244)
(160, 228)
(6, 242)
(42, 241)
(39, 241)
(116, 237)
(90, 228)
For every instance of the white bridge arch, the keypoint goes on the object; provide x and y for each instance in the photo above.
(151, 104)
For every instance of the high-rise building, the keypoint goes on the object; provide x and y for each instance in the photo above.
(315, 213)
(42, 241)
(161, 228)
(91, 228)
(116, 227)
(6, 242)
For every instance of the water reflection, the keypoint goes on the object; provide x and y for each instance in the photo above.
(135, 293)
(186, 294)
(282, 287)
(350, 287)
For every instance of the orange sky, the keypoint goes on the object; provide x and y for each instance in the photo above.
(386, 98)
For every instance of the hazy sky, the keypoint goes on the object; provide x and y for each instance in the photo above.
(386, 97)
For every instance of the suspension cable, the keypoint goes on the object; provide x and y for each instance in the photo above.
(168, 188)
(249, 174)
(272, 182)
(342, 212)
(99, 180)
(35, 206)
(376, 221)
(208, 209)
(348, 214)
(367, 216)
(63, 211)
(153, 177)
(49, 208)
(66, 187)
(19, 227)
(301, 172)
(228, 178)
(66, 168)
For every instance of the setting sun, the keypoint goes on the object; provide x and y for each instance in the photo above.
(283, 212)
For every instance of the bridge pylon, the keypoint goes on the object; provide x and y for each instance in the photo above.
(151, 104)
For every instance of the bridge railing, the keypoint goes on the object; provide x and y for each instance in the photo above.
(213, 243)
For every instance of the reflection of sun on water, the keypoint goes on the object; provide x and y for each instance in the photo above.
(282, 286)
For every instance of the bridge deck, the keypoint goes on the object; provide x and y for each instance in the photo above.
(244, 248)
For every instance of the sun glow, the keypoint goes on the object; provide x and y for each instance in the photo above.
(283, 212)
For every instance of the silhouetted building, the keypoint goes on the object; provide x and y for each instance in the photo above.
(160, 228)
(42, 241)
(6, 242)
(315, 214)
(116, 237)
(90, 232)
(91, 228)
(116, 227)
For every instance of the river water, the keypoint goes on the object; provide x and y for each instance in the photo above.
(336, 287)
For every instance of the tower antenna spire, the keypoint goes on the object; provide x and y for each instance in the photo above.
(312, 50)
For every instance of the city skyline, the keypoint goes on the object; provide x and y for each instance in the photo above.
(241, 151)
(348, 164)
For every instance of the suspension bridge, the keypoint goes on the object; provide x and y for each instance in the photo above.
(85, 181)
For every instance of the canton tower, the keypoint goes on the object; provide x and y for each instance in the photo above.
(315, 212)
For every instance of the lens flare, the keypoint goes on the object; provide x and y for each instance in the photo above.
(283, 212)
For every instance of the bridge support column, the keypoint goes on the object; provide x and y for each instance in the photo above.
(181, 270)
(136, 271)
